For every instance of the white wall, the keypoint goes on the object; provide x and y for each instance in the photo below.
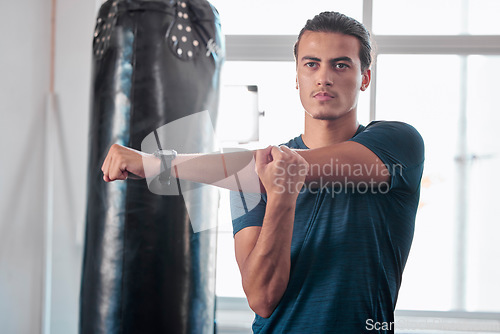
(24, 87)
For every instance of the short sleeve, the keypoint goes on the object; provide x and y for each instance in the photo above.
(247, 209)
(400, 147)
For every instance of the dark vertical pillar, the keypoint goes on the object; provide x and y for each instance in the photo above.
(144, 269)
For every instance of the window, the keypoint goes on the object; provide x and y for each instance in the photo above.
(274, 17)
(450, 100)
(482, 271)
(423, 90)
(430, 17)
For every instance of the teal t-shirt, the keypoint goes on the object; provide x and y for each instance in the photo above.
(349, 244)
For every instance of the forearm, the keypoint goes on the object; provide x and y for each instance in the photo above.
(234, 171)
(266, 270)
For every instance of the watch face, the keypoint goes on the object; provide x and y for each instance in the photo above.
(169, 153)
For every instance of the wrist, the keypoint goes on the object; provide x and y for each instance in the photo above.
(166, 157)
(281, 201)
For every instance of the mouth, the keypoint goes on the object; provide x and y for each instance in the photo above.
(323, 96)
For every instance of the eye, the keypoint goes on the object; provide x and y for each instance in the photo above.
(341, 66)
(311, 64)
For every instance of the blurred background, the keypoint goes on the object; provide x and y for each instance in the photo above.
(437, 68)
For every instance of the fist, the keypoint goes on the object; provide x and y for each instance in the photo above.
(121, 161)
(282, 171)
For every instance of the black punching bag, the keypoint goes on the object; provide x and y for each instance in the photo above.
(144, 269)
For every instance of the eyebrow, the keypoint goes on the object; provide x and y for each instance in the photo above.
(334, 60)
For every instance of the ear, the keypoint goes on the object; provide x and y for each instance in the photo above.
(296, 82)
(366, 77)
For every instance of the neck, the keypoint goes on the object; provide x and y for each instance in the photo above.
(320, 133)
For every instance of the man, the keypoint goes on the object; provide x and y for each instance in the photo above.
(325, 248)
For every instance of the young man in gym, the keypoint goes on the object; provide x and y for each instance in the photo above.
(324, 249)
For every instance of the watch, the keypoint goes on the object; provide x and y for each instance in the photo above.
(166, 157)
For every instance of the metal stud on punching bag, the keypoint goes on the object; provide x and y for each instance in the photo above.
(145, 270)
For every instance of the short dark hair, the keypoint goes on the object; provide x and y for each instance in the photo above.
(340, 23)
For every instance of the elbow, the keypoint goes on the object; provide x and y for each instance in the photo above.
(264, 303)
(263, 298)
(262, 307)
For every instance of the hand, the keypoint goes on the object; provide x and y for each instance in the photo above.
(122, 160)
(282, 171)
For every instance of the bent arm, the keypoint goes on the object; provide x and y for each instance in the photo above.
(263, 253)
(234, 171)
(263, 256)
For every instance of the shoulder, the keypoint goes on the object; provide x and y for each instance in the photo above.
(392, 134)
(394, 142)
(392, 127)
(400, 147)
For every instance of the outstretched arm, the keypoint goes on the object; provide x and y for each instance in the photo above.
(216, 169)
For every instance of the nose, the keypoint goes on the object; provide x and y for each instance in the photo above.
(324, 78)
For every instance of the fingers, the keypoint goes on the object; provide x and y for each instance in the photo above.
(105, 165)
(112, 167)
(278, 154)
(288, 155)
(296, 158)
(117, 169)
(282, 153)
(286, 149)
(262, 158)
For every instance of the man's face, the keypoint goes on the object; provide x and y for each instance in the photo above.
(329, 74)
